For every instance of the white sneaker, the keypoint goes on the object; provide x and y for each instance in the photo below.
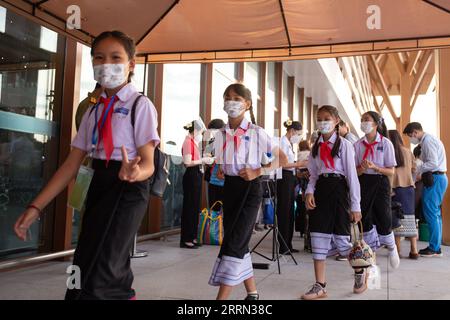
(394, 258)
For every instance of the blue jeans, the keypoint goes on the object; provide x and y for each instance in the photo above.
(431, 200)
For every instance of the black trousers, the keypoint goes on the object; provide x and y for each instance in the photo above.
(215, 193)
(285, 209)
(376, 203)
(192, 191)
(114, 211)
(238, 224)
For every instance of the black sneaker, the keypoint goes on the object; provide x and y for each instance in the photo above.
(252, 296)
(427, 253)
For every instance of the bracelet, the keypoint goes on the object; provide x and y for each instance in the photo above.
(32, 206)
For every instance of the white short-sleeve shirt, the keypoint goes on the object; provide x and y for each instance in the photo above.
(253, 144)
(145, 127)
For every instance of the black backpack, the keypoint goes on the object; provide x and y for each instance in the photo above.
(160, 178)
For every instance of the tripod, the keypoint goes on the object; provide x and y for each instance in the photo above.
(275, 234)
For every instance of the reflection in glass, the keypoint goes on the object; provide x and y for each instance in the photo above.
(28, 128)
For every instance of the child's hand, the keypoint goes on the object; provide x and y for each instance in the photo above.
(310, 201)
(355, 216)
(249, 174)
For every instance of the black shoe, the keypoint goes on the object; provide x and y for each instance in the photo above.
(295, 250)
(252, 296)
(427, 253)
(197, 244)
(186, 246)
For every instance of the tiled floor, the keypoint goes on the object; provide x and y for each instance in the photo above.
(173, 273)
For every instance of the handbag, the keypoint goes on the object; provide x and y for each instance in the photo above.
(210, 225)
(268, 211)
(361, 255)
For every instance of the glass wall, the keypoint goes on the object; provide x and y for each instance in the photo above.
(224, 74)
(29, 119)
(181, 104)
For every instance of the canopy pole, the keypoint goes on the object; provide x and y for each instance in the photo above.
(157, 22)
(285, 26)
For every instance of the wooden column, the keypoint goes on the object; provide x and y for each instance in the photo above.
(278, 96)
(62, 231)
(308, 117)
(291, 88)
(443, 100)
(262, 79)
(206, 91)
(240, 71)
(405, 116)
(301, 105)
(315, 108)
(155, 93)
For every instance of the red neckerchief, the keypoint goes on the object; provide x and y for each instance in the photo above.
(105, 132)
(369, 148)
(325, 155)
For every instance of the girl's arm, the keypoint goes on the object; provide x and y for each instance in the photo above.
(142, 167)
(299, 164)
(188, 162)
(57, 183)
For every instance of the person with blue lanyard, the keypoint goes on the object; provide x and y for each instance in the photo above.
(117, 137)
(435, 182)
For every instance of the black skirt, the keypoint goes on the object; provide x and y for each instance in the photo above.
(114, 211)
(242, 200)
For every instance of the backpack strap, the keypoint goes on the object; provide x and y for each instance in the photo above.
(133, 109)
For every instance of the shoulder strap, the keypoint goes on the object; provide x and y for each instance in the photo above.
(133, 109)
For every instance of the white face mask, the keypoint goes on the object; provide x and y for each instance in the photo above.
(109, 75)
(367, 127)
(295, 139)
(325, 127)
(414, 140)
(233, 108)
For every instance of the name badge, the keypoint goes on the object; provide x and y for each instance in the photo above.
(122, 110)
(380, 148)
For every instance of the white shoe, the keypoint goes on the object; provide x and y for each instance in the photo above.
(394, 258)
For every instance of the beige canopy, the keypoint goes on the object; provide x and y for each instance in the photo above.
(220, 30)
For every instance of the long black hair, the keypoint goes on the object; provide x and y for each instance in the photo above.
(378, 119)
(335, 151)
(243, 92)
(397, 141)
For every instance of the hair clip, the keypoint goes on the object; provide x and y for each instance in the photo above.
(189, 125)
(288, 122)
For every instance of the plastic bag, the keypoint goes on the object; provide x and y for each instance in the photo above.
(374, 277)
(81, 187)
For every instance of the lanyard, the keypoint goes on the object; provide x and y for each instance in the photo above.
(94, 131)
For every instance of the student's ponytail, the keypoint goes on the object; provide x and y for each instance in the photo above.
(252, 115)
(337, 143)
(315, 149)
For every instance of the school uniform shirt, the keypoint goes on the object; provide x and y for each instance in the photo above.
(344, 164)
(241, 148)
(433, 154)
(144, 131)
(286, 147)
(383, 153)
(190, 147)
(351, 137)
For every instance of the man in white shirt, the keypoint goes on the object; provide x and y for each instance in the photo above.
(433, 173)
